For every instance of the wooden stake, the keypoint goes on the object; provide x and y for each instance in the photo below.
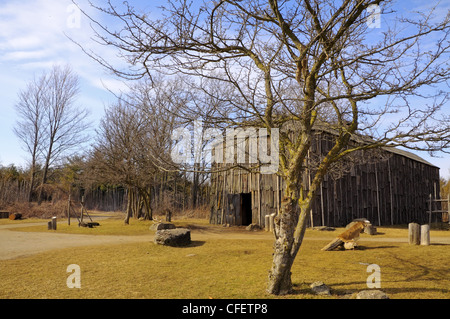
(414, 233)
(425, 235)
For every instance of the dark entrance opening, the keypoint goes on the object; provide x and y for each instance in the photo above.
(246, 208)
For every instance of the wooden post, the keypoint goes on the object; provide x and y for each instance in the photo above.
(425, 235)
(271, 224)
(414, 233)
(431, 211)
(448, 209)
(68, 211)
(267, 222)
(54, 223)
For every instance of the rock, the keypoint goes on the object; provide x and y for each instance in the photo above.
(350, 245)
(369, 229)
(319, 288)
(253, 227)
(160, 226)
(371, 294)
(173, 237)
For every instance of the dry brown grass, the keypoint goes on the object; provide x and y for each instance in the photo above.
(224, 267)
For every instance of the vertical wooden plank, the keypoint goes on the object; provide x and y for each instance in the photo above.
(391, 192)
(377, 186)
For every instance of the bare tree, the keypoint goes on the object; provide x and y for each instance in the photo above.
(64, 123)
(30, 125)
(133, 145)
(311, 62)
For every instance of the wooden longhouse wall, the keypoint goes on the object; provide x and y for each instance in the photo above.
(393, 190)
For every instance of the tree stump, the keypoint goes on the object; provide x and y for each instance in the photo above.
(425, 235)
(271, 222)
(51, 225)
(414, 233)
(267, 222)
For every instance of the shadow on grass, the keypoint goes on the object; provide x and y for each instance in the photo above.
(194, 243)
(373, 247)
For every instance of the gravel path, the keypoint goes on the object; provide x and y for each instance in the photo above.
(14, 244)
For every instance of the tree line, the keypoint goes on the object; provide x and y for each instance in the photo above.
(125, 166)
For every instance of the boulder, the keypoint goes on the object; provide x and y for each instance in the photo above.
(369, 229)
(173, 237)
(161, 226)
(319, 288)
(350, 245)
(253, 227)
(371, 294)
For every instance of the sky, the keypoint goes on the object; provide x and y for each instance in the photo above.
(34, 36)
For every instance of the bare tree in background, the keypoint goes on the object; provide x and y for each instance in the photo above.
(313, 63)
(50, 124)
(29, 127)
(133, 145)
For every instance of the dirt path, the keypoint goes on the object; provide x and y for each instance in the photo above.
(14, 244)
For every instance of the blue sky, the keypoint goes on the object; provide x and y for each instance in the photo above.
(32, 39)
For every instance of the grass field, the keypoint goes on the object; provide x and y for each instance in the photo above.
(222, 267)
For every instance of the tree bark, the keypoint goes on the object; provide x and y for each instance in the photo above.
(289, 230)
(129, 209)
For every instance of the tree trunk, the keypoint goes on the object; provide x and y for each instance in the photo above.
(289, 230)
(45, 173)
(129, 207)
(290, 226)
(33, 174)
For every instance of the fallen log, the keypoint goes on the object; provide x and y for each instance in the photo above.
(349, 235)
(335, 243)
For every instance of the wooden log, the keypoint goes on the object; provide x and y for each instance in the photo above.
(15, 216)
(335, 243)
(414, 233)
(425, 235)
